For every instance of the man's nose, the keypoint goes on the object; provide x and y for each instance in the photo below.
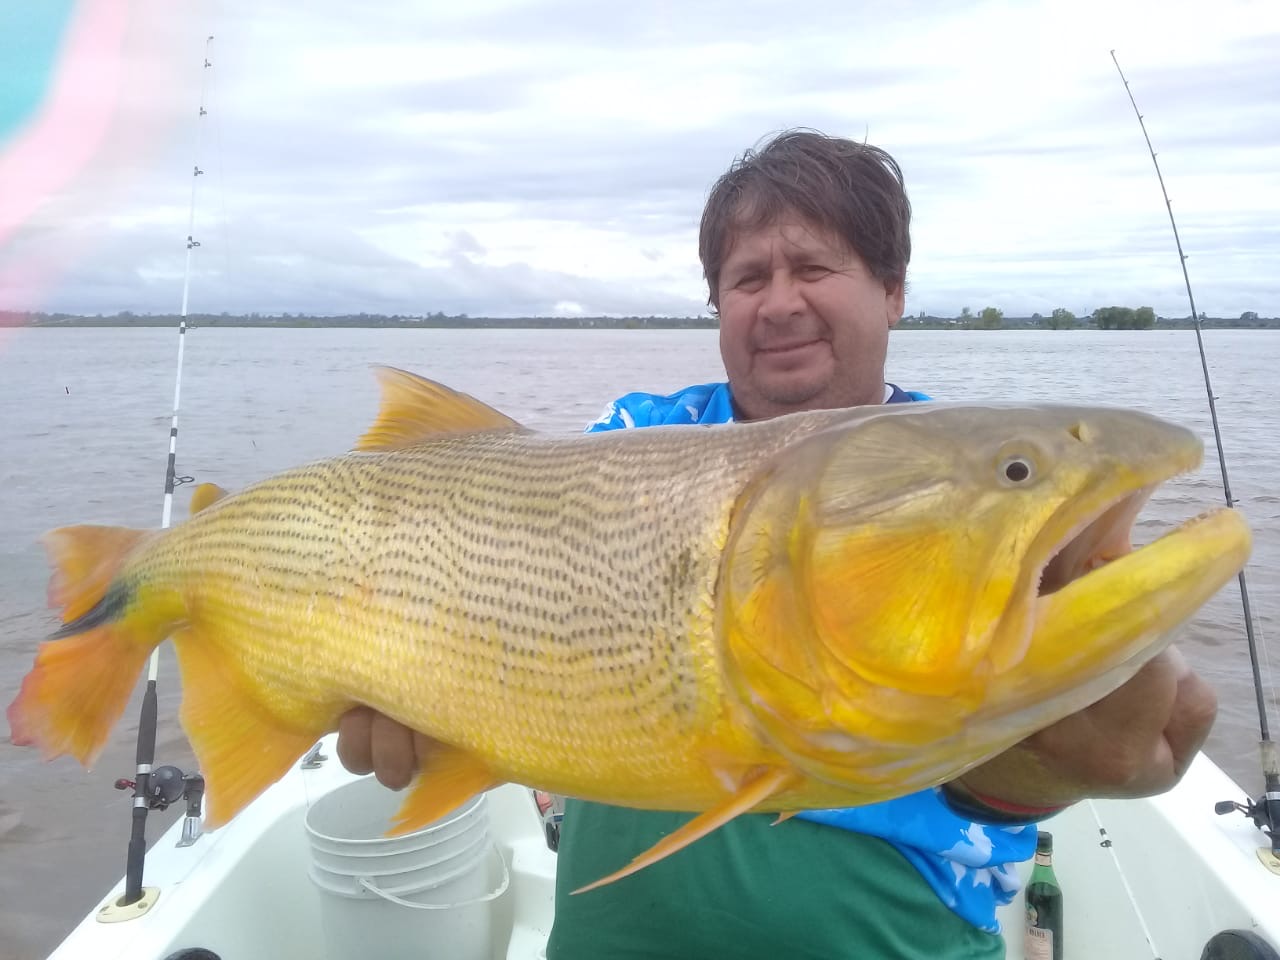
(782, 298)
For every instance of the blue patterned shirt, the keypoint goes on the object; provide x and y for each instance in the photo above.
(970, 866)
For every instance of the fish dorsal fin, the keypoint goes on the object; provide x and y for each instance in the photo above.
(415, 409)
(205, 495)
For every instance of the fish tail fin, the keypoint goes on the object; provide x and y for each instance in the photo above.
(83, 677)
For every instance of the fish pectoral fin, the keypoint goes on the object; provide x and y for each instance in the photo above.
(450, 777)
(241, 746)
(205, 495)
(754, 790)
(415, 409)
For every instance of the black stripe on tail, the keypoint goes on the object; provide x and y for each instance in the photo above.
(107, 610)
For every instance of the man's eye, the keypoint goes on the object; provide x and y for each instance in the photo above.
(749, 281)
(813, 271)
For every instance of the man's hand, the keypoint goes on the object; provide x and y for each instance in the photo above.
(1135, 742)
(372, 742)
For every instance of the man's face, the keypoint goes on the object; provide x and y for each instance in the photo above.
(804, 325)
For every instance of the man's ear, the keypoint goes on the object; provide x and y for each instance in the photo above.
(895, 302)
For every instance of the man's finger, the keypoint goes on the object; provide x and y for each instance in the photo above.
(355, 749)
(394, 758)
(1194, 710)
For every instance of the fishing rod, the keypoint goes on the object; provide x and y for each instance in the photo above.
(154, 788)
(1265, 811)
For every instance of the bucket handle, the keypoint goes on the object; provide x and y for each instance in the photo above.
(373, 888)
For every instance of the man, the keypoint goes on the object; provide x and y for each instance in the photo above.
(805, 246)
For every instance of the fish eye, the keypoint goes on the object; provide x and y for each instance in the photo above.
(1017, 470)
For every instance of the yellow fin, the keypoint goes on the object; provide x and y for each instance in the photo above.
(242, 748)
(415, 409)
(82, 679)
(85, 561)
(205, 495)
(77, 691)
(449, 778)
(754, 791)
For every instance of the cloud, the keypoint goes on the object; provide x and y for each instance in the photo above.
(509, 157)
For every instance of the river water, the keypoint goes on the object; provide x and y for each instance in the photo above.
(84, 426)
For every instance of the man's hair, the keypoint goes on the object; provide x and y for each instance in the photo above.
(853, 190)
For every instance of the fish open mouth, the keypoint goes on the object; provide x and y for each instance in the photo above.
(1095, 543)
(1099, 606)
(1103, 608)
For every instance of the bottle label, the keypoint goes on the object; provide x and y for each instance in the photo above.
(1038, 944)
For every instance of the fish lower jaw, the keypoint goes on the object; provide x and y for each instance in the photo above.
(1093, 634)
(1111, 620)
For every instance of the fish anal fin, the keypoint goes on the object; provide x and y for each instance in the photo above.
(242, 747)
(450, 777)
(755, 789)
(205, 495)
(415, 409)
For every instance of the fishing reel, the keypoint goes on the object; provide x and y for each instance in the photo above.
(168, 784)
(1264, 812)
(1255, 810)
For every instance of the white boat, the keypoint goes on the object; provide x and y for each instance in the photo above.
(1141, 878)
(1160, 877)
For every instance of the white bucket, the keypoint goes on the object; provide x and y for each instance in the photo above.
(426, 895)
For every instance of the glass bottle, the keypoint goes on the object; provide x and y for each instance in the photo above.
(1043, 939)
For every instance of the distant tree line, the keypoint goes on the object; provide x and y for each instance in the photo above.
(1103, 318)
(1124, 318)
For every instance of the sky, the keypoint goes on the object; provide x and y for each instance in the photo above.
(508, 158)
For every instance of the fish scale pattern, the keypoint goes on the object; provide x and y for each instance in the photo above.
(545, 603)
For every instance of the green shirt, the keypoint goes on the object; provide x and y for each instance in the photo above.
(748, 891)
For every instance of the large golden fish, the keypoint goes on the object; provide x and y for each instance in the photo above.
(824, 609)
